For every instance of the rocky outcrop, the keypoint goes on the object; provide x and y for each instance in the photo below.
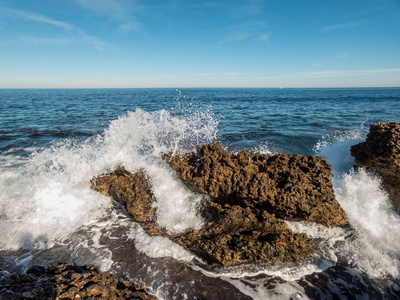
(292, 187)
(133, 191)
(233, 234)
(236, 235)
(381, 153)
(68, 281)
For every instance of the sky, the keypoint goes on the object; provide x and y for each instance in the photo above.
(194, 43)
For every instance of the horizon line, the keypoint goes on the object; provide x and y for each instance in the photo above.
(195, 87)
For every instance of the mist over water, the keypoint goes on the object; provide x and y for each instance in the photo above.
(49, 213)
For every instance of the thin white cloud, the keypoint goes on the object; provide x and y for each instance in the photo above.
(341, 73)
(119, 11)
(263, 37)
(205, 74)
(131, 25)
(250, 8)
(179, 5)
(252, 29)
(94, 41)
(30, 16)
(233, 73)
(45, 41)
(235, 37)
(342, 26)
(383, 71)
(219, 74)
(112, 8)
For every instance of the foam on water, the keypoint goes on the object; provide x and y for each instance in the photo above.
(372, 246)
(47, 197)
(157, 246)
(257, 289)
(45, 200)
(335, 147)
(371, 213)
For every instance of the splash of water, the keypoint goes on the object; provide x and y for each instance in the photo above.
(47, 197)
(372, 247)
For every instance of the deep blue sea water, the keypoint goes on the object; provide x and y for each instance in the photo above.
(52, 142)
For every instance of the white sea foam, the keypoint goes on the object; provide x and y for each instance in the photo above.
(45, 201)
(377, 247)
(157, 246)
(373, 247)
(256, 289)
(265, 148)
(335, 147)
(48, 196)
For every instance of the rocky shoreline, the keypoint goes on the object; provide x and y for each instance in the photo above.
(251, 195)
(68, 281)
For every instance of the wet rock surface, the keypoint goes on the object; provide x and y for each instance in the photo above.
(381, 153)
(292, 187)
(233, 234)
(133, 191)
(68, 281)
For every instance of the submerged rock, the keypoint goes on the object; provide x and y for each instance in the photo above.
(69, 281)
(233, 234)
(292, 187)
(381, 153)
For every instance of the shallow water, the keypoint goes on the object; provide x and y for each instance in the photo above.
(52, 142)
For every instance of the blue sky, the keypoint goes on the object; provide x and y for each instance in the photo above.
(182, 43)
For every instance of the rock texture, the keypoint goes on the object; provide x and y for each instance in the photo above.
(133, 191)
(236, 235)
(69, 281)
(381, 153)
(233, 234)
(292, 187)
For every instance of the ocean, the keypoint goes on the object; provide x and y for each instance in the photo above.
(53, 142)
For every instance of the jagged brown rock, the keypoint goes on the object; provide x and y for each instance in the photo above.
(69, 281)
(133, 191)
(85, 282)
(381, 153)
(292, 187)
(236, 235)
(233, 234)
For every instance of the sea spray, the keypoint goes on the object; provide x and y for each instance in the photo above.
(335, 147)
(371, 245)
(377, 247)
(48, 197)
